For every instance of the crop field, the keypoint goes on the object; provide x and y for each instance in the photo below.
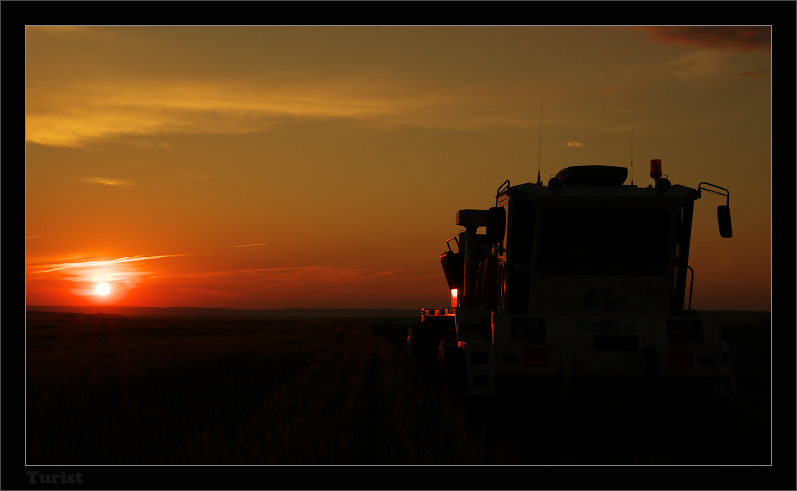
(114, 390)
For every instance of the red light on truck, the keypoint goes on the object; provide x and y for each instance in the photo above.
(655, 168)
(536, 357)
(454, 297)
(680, 358)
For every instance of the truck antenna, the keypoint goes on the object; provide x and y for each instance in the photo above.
(632, 156)
(539, 148)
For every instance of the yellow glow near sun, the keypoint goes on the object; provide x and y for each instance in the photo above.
(103, 289)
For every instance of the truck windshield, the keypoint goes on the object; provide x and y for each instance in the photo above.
(604, 240)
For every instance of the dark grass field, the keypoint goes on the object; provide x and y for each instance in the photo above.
(113, 390)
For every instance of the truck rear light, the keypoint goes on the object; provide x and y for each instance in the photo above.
(680, 358)
(528, 330)
(536, 357)
(453, 297)
(685, 331)
(478, 358)
(509, 358)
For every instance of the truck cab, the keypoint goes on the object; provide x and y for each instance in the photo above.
(578, 283)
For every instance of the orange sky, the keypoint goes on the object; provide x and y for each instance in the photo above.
(321, 167)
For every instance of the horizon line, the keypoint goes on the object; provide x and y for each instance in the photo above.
(314, 308)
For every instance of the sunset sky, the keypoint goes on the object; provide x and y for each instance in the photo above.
(322, 167)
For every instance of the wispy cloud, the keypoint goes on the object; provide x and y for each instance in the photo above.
(56, 28)
(81, 115)
(574, 144)
(208, 292)
(191, 176)
(86, 114)
(332, 273)
(695, 64)
(89, 264)
(754, 73)
(247, 245)
(109, 182)
(745, 38)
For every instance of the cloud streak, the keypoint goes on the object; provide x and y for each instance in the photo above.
(754, 73)
(75, 115)
(109, 182)
(301, 273)
(247, 245)
(744, 38)
(208, 292)
(90, 264)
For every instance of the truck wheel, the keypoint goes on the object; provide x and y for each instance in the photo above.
(451, 367)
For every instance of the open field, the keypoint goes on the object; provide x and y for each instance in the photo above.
(115, 390)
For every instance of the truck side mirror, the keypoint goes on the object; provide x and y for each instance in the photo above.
(496, 224)
(724, 219)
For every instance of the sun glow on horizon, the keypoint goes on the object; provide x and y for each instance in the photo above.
(103, 289)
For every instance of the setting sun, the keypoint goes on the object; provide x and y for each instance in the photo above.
(103, 289)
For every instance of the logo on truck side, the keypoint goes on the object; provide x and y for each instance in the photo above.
(601, 298)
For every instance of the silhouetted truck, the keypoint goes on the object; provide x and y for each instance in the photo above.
(577, 286)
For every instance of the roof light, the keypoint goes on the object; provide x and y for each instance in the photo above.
(655, 169)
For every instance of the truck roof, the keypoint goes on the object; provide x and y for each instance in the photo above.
(675, 191)
(603, 181)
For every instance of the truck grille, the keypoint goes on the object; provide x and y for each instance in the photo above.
(615, 343)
